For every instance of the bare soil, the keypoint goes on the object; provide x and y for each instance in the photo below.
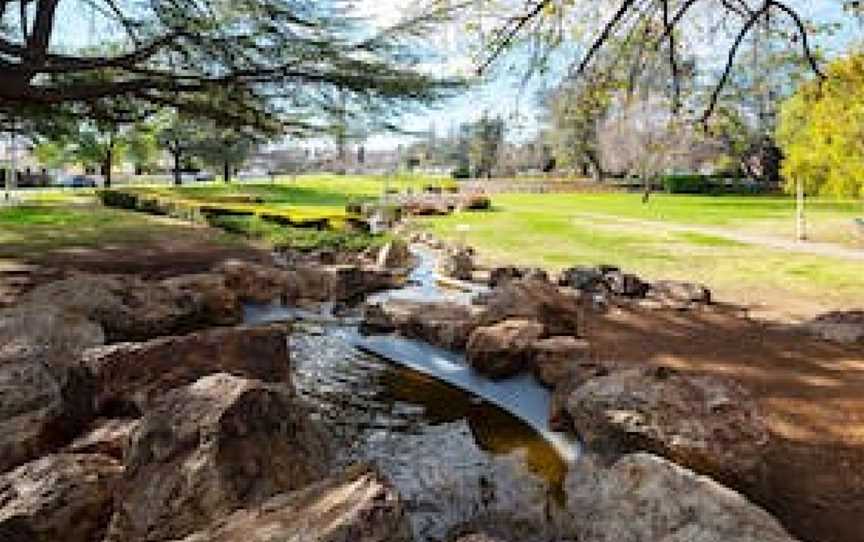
(812, 392)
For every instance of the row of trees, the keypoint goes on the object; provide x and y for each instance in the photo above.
(103, 145)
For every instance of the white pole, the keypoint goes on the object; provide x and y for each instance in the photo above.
(801, 222)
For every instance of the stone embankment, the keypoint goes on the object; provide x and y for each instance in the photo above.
(143, 411)
(651, 433)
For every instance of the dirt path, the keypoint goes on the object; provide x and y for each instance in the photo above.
(811, 391)
(776, 243)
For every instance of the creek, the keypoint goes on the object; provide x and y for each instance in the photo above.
(457, 445)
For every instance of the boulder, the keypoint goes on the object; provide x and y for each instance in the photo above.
(502, 275)
(343, 282)
(394, 255)
(45, 400)
(532, 300)
(582, 278)
(356, 505)
(706, 423)
(504, 349)
(256, 283)
(580, 370)
(679, 295)
(130, 309)
(444, 324)
(131, 375)
(626, 284)
(839, 326)
(108, 437)
(210, 448)
(208, 291)
(644, 498)
(64, 497)
(457, 263)
(555, 359)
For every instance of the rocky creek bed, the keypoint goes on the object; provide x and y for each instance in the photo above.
(135, 410)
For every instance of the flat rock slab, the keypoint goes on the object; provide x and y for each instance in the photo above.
(205, 450)
(357, 505)
(708, 424)
(131, 375)
(64, 497)
(645, 498)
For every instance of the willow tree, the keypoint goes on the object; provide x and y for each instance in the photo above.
(279, 60)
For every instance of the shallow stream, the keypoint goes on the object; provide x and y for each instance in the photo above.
(455, 444)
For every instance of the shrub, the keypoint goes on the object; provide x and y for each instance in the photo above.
(118, 198)
(686, 184)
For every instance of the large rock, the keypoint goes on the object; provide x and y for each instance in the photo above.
(457, 263)
(504, 349)
(626, 284)
(394, 255)
(644, 498)
(678, 294)
(218, 304)
(502, 275)
(533, 300)
(357, 505)
(584, 278)
(304, 281)
(256, 283)
(210, 448)
(64, 497)
(130, 309)
(108, 437)
(557, 359)
(708, 424)
(45, 400)
(130, 375)
(444, 324)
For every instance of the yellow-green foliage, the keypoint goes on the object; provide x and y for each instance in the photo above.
(821, 131)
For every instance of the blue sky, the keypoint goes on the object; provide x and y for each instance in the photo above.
(506, 95)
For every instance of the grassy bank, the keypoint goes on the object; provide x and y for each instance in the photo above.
(561, 230)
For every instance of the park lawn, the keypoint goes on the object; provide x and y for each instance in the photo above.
(299, 199)
(53, 223)
(828, 220)
(561, 230)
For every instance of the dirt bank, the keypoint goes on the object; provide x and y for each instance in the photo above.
(811, 390)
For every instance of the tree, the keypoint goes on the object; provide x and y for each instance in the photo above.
(143, 146)
(100, 144)
(486, 143)
(659, 28)
(178, 136)
(821, 132)
(225, 149)
(178, 53)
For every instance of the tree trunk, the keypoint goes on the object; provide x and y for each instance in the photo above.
(109, 158)
(177, 179)
(226, 171)
(595, 167)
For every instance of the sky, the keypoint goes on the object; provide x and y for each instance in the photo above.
(505, 95)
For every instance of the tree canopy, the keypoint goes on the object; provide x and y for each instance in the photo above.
(263, 63)
(598, 35)
(821, 131)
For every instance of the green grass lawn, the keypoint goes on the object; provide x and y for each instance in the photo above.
(552, 230)
(561, 230)
(32, 230)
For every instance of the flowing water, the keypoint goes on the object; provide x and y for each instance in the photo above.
(455, 444)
